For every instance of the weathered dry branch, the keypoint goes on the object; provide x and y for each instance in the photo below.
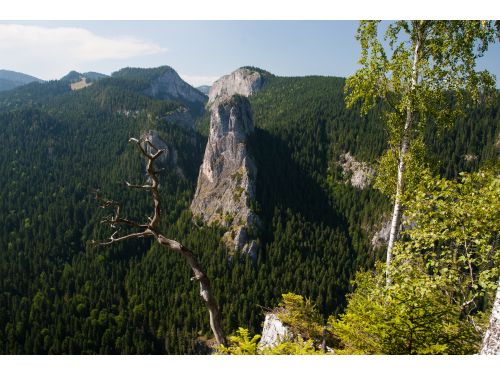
(150, 229)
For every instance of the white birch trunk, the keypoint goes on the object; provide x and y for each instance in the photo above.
(405, 144)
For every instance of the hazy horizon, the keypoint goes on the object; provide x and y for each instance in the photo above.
(200, 51)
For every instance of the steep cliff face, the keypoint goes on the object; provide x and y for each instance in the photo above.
(170, 86)
(226, 182)
(242, 81)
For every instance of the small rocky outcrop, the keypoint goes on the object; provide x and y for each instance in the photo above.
(358, 173)
(242, 81)
(274, 332)
(226, 182)
(169, 85)
(169, 156)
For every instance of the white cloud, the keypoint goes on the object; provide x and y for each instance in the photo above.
(196, 81)
(53, 51)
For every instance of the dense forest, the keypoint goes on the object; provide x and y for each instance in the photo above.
(59, 293)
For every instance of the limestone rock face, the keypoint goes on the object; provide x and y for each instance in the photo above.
(274, 332)
(358, 173)
(226, 182)
(242, 81)
(170, 86)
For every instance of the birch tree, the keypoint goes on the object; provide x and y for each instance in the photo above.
(425, 72)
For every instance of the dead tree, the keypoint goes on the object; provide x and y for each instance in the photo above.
(150, 229)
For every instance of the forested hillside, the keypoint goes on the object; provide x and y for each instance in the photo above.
(59, 293)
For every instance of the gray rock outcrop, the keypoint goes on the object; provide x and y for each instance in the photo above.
(274, 332)
(242, 81)
(171, 86)
(226, 182)
(358, 173)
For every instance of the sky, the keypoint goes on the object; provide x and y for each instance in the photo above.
(200, 51)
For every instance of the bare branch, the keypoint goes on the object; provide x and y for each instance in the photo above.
(118, 221)
(137, 186)
(152, 145)
(150, 229)
(138, 143)
(114, 239)
(157, 154)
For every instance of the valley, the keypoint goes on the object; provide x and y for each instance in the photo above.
(266, 179)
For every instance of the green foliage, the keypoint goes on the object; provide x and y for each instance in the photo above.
(301, 316)
(426, 75)
(240, 343)
(298, 347)
(454, 225)
(447, 53)
(412, 316)
(415, 166)
(445, 267)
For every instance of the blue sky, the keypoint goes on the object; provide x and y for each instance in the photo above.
(201, 51)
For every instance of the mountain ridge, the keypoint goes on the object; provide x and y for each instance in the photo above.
(10, 79)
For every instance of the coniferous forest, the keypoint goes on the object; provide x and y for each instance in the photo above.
(60, 293)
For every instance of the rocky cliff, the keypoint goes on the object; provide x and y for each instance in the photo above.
(242, 81)
(226, 182)
(169, 85)
(358, 173)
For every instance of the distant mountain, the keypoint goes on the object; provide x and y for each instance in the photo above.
(75, 76)
(162, 83)
(10, 79)
(81, 80)
(204, 89)
(72, 77)
(173, 99)
(94, 76)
